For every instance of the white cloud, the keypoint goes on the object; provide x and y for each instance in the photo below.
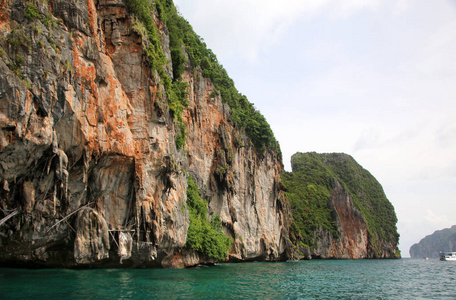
(369, 138)
(402, 6)
(438, 220)
(242, 27)
(433, 59)
(345, 9)
(446, 134)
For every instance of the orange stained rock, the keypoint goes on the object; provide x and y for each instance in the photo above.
(84, 70)
(4, 17)
(110, 48)
(91, 111)
(169, 205)
(92, 18)
(135, 48)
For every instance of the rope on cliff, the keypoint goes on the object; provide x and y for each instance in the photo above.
(110, 232)
(69, 215)
(71, 227)
(2, 221)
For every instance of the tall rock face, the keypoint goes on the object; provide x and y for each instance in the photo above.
(339, 209)
(93, 169)
(431, 245)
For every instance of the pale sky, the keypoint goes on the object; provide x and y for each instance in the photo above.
(374, 79)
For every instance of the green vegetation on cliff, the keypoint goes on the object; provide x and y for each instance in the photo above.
(309, 187)
(203, 235)
(175, 89)
(368, 197)
(182, 36)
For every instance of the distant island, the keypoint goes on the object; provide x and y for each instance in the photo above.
(431, 245)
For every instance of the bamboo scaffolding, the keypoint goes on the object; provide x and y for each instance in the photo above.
(110, 232)
(2, 221)
(69, 215)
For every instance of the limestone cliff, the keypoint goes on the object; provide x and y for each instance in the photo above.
(339, 209)
(430, 246)
(95, 150)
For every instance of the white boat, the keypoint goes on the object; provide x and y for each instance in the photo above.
(447, 255)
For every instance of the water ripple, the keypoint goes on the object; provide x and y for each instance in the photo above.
(316, 279)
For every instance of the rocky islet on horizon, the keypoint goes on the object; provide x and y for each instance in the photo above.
(430, 246)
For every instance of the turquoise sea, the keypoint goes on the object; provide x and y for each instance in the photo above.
(315, 279)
